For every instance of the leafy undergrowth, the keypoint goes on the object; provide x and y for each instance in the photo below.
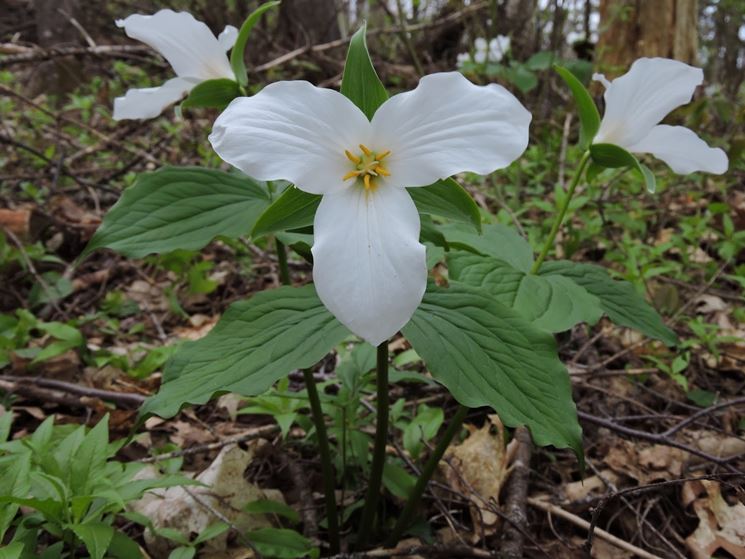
(83, 342)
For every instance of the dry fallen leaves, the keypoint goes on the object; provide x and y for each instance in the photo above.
(479, 469)
(190, 510)
(721, 526)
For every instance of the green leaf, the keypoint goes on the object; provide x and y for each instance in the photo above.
(499, 241)
(183, 553)
(216, 94)
(237, 55)
(397, 480)
(90, 459)
(422, 429)
(179, 208)
(96, 537)
(293, 209)
(589, 118)
(613, 156)
(12, 551)
(551, 303)
(447, 198)
(14, 470)
(124, 547)
(212, 531)
(256, 342)
(486, 354)
(618, 299)
(280, 543)
(268, 506)
(360, 82)
(540, 60)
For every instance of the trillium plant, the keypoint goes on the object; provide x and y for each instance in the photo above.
(360, 184)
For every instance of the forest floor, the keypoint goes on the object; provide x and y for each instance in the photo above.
(664, 429)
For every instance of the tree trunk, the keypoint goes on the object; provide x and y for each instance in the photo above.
(631, 29)
(308, 22)
(54, 29)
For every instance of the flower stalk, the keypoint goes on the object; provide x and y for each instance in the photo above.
(406, 516)
(284, 270)
(381, 438)
(562, 213)
(327, 470)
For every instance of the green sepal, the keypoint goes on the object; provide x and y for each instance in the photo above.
(360, 82)
(589, 117)
(613, 156)
(215, 94)
(237, 53)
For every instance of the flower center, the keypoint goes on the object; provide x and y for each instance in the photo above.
(367, 166)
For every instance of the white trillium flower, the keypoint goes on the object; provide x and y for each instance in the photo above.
(190, 48)
(637, 101)
(369, 267)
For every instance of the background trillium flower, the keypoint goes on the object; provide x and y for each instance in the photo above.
(190, 48)
(369, 267)
(637, 101)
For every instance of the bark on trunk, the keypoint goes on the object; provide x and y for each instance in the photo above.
(630, 29)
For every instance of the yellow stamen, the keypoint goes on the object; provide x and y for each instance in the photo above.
(365, 150)
(353, 158)
(382, 170)
(383, 155)
(368, 186)
(351, 175)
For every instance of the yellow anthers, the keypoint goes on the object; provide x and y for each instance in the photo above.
(353, 158)
(368, 166)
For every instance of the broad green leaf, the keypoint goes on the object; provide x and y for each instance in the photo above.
(180, 208)
(589, 118)
(293, 209)
(486, 354)
(12, 551)
(397, 480)
(618, 299)
(280, 543)
(237, 55)
(613, 156)
(183, 553)
(256, 342)
(499, 241)
(124, 547)
(52, 510)
(90, 459)
(14, 470)
(6, 421)
(447, 198)
(96, 537)
(551, 303)
(268, 506)
(422, 428)
(360, 83)
(216, 94)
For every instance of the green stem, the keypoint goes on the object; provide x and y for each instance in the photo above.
(404, 520)
(329, 479)
(381, 438)
(562, 213)
(284, 271)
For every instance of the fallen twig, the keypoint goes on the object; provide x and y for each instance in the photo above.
(517, 491)
(19, 384)
(582, 523)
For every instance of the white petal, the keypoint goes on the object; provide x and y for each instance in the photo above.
(150, 102)
(368, 265)
(295, 131)
(188, 45)
(640, 99)
(227, 37)
(682, 150)
(448, 125)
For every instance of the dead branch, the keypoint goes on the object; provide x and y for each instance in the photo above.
(517, 492)
(22, 385)
(35, 54)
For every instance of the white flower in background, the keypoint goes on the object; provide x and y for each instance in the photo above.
(493, 51)
(369, 268)
(188, 45)
(637, 101)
